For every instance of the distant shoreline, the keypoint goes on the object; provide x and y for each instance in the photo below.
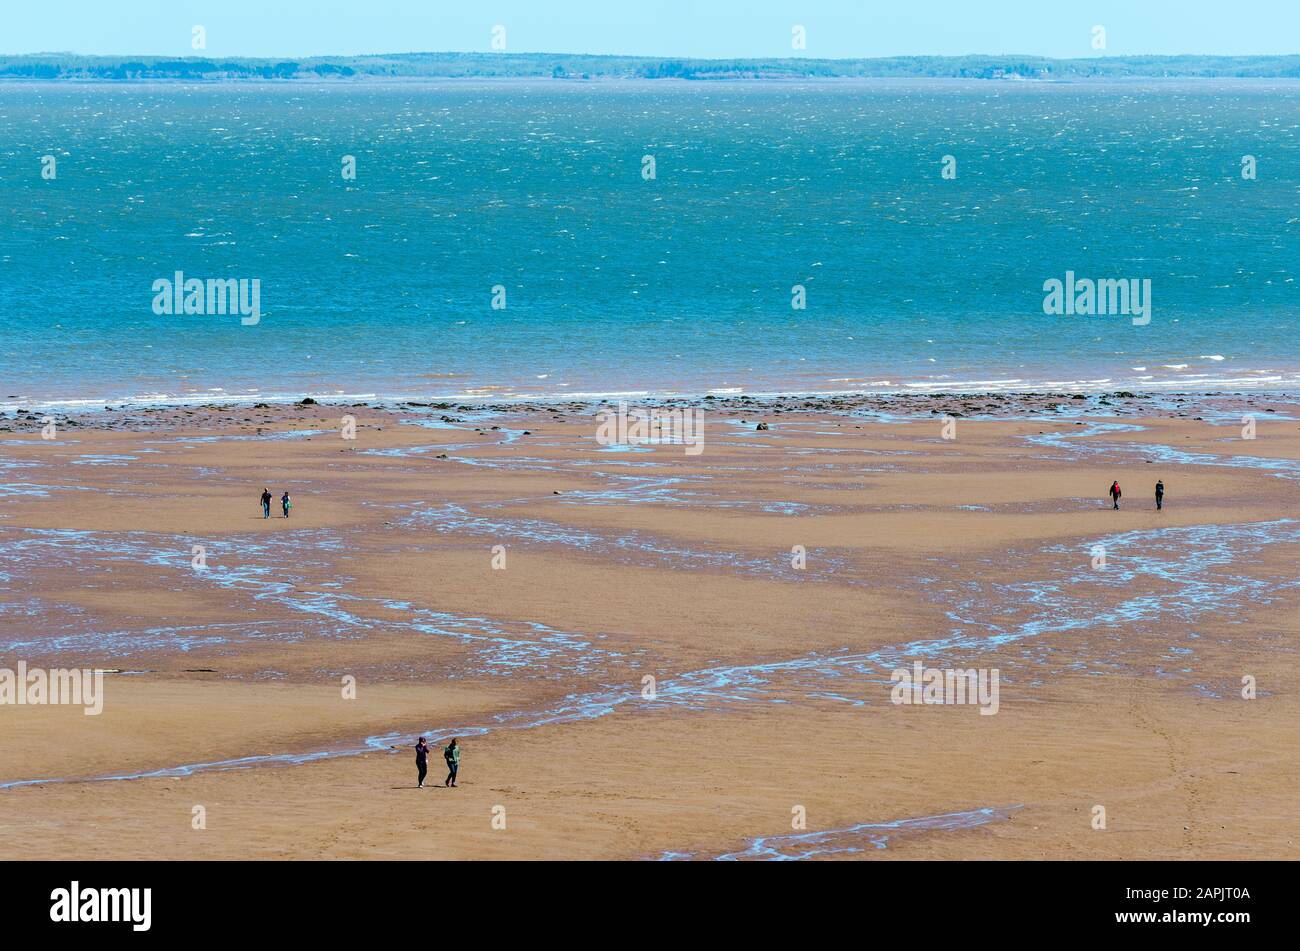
(1067, 403)
(378, 82)
(571, 67)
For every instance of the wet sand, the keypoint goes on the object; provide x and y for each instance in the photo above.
(1119, 686)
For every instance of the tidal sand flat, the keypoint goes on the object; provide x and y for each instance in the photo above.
(653, 653)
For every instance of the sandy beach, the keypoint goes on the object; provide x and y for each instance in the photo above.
(495, 574)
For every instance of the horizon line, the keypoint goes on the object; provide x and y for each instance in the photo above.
(666, 56)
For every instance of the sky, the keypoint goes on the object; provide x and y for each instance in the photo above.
(681, 28)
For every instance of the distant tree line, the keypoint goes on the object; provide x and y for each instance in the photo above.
(57, 66)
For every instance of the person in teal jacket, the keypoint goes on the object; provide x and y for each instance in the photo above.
(451, 753)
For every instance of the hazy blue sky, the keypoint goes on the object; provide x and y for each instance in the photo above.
(709, 28)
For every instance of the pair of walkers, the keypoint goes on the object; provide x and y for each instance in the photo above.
(1115, 493)
(450, 753)
(286, 503)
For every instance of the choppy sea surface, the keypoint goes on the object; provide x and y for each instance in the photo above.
(618, 283)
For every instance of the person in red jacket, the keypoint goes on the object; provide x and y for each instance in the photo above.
(1115, 493)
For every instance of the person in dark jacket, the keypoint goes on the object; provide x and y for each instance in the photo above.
(1160, 494)
(1115, 493)
(422, 761)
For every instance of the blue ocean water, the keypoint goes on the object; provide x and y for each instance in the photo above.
(383, 285)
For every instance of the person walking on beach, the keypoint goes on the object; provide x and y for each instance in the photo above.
(266, 503)
(451, 753)
(422, 761)
(1115, 493)
(1160, 494)
(286, 503)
